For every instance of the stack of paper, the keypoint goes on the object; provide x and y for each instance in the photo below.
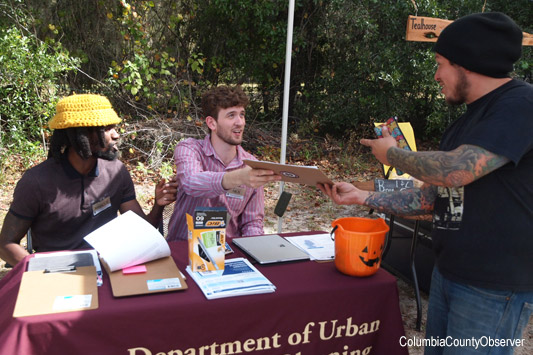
(128, 240)
(238, 278)
(42, 261)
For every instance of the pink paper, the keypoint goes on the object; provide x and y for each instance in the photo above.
(137, 269)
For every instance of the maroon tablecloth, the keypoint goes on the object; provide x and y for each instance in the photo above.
(315, 310)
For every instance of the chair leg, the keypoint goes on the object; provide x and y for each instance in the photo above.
(415, 279)
(389, 237)
(29, 242)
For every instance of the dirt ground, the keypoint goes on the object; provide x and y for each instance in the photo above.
(308, 210)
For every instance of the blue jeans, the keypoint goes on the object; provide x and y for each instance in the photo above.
(462, 318)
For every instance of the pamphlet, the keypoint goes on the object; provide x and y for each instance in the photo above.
(396, 132)
(128, 240)
(238, 278)
(318, 246)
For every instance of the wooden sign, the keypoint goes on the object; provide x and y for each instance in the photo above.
(428, 29)
(424, 29)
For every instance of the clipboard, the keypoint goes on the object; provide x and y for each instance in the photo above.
(44, 292)
(162, 275)
(307, 175)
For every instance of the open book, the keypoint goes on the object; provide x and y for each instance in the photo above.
(128, 240)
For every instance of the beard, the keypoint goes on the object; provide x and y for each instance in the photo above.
(460, 90)
(228, 139)
(110, 153)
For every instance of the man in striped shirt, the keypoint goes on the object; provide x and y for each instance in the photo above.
(211, 172)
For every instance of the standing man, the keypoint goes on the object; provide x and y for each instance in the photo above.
(211, 172)
(80, 187)
(478, 186)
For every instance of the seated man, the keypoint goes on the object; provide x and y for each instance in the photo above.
(211, 172)
(81, 185)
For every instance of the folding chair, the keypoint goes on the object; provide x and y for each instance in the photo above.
(163, 225)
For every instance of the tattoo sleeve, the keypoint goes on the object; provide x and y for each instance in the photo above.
(409, 202)
(458, 167)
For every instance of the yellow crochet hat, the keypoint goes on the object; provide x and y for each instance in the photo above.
(86, 110)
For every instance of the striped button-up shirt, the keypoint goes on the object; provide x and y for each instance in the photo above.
(199, 173)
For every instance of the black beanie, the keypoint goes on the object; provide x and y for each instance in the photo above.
(485, 43)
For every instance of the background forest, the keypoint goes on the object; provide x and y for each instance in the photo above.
(351, 66)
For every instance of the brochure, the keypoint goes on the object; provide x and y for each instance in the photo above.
(396, 132)
(238, 278)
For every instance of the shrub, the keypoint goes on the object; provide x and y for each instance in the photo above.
(29, 88)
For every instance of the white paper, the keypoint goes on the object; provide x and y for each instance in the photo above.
(62, 303)
(163, 284)
(99, 281)
(238, 278)
(128, 240)
(318, 246)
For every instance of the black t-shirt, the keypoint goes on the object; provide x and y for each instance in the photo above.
(65, 206)
(483, 232)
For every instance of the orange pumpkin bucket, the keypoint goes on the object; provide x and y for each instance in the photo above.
(359, 244)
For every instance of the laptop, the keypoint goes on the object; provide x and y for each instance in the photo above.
(271, 248)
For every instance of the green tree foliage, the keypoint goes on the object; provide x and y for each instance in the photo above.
(244, 42)
(371, 72)
(351, 64)
(30, 81)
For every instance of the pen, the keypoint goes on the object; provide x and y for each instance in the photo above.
(209, 257)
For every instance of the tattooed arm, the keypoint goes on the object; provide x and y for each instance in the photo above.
(458, 167)
(408, 202)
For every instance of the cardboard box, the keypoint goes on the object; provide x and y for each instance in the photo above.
(207, 238)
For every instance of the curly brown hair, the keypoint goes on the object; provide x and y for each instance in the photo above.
(222, 97)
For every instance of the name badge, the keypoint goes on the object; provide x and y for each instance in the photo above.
(101, 205)
(237, 192)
